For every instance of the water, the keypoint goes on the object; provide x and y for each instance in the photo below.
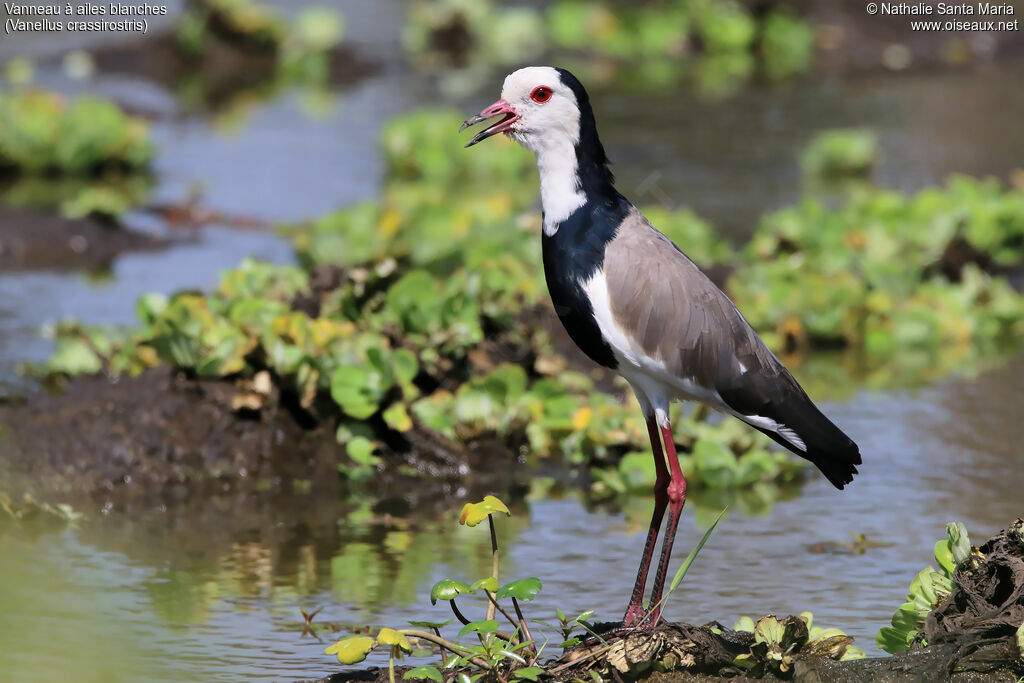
(212, 590)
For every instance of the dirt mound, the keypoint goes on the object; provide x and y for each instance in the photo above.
(163, 437)
(31, 239)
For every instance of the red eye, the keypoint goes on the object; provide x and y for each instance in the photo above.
(541, 94)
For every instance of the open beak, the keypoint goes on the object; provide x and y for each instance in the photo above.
(499, 108)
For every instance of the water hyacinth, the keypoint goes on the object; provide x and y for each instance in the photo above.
(45, 133)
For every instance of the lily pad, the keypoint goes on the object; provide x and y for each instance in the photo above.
(474, 513)
(352, 650)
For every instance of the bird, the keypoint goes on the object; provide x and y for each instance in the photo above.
(633, 302)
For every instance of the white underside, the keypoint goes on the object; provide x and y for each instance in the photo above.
(654, 385)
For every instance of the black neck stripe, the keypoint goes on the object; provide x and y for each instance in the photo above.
(592, 163)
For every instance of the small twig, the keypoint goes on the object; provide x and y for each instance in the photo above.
(442, 642)
(494, 603)
(522, 624)
(494, 562)
(437, 632)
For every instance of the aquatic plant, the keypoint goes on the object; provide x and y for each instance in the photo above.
(502, 655)
(842, 153)
(510, 655)
(885, 272)
(778, 642)
(928, 589)
(300, 44)
(45, 133)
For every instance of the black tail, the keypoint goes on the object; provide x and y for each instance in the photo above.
(831, 451)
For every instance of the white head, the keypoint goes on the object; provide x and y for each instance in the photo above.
(539, 110)
(547, 111)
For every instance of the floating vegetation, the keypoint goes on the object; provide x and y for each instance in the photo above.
(837, 154)
(45, 133)
(887, 274)
(300, 44)
(716, 45)
(84, 155)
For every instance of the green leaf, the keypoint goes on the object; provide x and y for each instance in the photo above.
(583, 616)
(352, 650)
(944, 556)
(768, 630)
(430, 624)
(488, 584)
(523, 589)
(447, 589)
(423, 673)
(529, 673)
(483, 626)
(959, 542)
(360, 449)
(474, 513)
(397, 417)
(685, 567)
(892, 640)
(1020, 640)
(389, 636)
(358, 390)
(745, 661)
(744, 623)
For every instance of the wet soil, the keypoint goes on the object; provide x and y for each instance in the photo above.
(35, 239)
(162, 437)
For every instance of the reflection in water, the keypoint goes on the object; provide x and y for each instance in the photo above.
(216, 592)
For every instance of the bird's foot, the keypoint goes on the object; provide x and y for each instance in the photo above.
(638, 619)
(635, 621)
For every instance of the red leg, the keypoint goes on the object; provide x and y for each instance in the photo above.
(635, 610)
(677, 497)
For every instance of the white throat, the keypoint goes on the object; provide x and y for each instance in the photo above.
(560, 192)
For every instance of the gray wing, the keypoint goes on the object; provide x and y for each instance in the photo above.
(674, 313)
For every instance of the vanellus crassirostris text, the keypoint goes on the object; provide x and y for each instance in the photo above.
(633, 302)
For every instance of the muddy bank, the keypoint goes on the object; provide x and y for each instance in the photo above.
(163, 437)
(33, 239)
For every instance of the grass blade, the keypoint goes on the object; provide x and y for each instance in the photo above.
(685, 567)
